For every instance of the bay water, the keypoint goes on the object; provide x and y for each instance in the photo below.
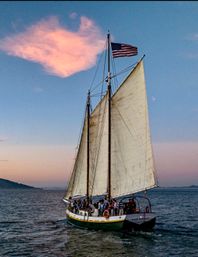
(33, 223)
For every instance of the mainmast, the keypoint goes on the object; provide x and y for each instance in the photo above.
(88, 125)
(109, 118)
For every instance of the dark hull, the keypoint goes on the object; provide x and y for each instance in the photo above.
(145, 226)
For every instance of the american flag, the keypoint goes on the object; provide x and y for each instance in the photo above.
(123, 50)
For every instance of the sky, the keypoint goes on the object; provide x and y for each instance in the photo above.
(48, 56)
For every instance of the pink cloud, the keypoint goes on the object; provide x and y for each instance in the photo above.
(60, 51)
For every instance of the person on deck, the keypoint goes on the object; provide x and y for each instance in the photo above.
(111, 208)
(106, 203)
(101, 207)
(131, 206)
(91, 208)
(76, 209)
(115, 207)
(121, 208)
(84, 204)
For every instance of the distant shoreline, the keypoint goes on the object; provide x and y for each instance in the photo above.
(8, 184)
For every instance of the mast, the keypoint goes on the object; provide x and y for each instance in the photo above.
(109, 118)
(88, 125)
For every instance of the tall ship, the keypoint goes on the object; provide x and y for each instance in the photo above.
(114, 165)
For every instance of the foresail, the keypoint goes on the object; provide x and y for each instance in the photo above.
(99, 148)
(132, 159)
(78, 180)
(98, 155)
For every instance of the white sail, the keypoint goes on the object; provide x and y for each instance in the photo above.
(78, 181)
(99, 148)
(132, 167)
(98, 155)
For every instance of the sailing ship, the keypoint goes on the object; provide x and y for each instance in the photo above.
(114, 161)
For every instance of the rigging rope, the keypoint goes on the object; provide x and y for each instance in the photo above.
(125, 70)
(103, 76)
(97, 67)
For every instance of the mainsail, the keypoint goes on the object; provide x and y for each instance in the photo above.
(132, 158)
(132, 165)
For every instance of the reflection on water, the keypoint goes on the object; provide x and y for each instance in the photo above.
(32, 223)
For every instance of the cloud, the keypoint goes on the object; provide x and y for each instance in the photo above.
(60, 51)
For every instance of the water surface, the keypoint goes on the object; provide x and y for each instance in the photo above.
(32, 223)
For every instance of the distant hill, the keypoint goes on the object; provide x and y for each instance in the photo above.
(7, 184)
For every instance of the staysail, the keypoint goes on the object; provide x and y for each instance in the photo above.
(132, 165)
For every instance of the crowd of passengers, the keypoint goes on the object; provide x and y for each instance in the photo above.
(98, 208)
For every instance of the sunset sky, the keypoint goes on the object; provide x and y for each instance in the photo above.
(48, 56)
